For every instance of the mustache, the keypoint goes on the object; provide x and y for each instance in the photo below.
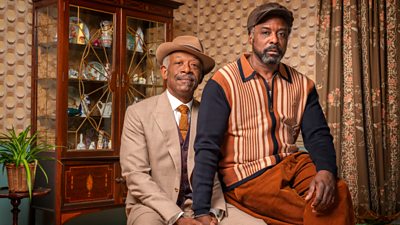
(186, 76)
(273, 47)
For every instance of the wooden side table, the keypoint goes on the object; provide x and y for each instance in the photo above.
(15, 199)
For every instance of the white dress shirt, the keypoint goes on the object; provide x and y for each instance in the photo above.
(175, 103)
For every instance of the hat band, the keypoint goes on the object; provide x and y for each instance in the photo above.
(193, 48)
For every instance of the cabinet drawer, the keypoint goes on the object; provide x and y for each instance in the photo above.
(88, 183)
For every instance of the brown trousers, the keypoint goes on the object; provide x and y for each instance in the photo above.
(277, 196)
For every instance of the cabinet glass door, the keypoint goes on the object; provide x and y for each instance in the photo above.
(143, 74)
(90, 65)
(45, 65)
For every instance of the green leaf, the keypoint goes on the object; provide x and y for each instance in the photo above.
(28, 177)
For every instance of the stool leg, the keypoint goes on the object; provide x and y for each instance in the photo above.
(15, 203)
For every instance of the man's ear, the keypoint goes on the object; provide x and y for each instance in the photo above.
(251, 36)
(164, 72)
(250, 39)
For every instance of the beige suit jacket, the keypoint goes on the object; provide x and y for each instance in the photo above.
(151, 159)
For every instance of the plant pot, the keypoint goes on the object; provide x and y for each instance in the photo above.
(17, 179)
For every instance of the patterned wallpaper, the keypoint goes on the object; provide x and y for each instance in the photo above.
(15, 63)
(220, 24)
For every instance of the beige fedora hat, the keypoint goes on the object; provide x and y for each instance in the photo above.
(189, 44)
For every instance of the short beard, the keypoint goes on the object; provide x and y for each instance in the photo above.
(268, 60)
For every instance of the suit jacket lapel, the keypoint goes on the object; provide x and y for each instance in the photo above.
(165, 119)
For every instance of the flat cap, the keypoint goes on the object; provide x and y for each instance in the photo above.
(269, 9)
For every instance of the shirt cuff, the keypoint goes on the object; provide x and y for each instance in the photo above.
(218, 213)
(174, 219)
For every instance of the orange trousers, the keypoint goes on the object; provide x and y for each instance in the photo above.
(277, 196)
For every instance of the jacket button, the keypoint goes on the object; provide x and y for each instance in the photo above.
(176, 189)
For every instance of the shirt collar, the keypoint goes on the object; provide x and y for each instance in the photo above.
(175, 103)
(247, 72)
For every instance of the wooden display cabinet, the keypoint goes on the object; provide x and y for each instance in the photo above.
(91, 59)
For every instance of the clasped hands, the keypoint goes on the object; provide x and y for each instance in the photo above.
(201, 220)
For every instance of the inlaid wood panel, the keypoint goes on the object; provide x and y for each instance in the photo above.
(89, 183)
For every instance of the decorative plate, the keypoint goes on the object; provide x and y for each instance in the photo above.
(95, 71)
(78, 31)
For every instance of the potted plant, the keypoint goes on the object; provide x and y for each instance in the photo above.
(20, 154)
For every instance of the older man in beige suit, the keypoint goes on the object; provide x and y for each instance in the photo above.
(157, 145)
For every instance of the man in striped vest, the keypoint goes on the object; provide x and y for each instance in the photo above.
(251, 114)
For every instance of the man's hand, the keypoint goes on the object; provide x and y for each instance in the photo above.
(207, 220)
(187, 221)
(324, 187)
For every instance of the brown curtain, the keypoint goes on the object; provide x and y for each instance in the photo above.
(357, 76)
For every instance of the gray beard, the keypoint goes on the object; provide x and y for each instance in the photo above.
(268, 60)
